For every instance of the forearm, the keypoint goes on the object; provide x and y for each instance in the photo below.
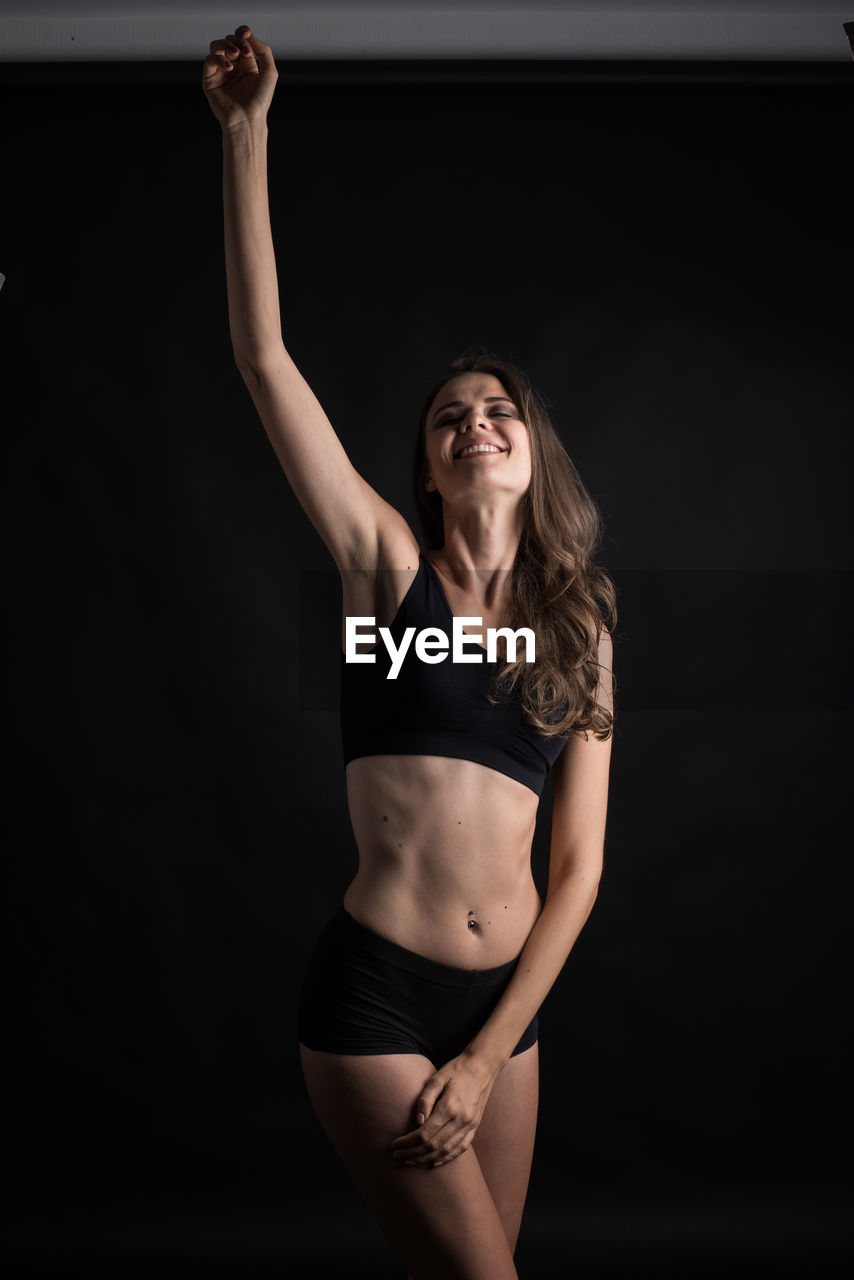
(250, 263)
(451, 1104)
(562, 918)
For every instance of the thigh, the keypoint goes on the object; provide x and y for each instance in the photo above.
(504, 1142)
(442, 1222)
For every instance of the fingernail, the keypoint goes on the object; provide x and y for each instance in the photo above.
(421, 1117)
(437, 1164)
(410, 1163)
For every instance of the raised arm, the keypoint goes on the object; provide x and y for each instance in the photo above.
(361, 530)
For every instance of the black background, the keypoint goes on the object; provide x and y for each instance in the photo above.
(667, 251)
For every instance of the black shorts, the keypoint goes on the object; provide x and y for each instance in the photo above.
(364, 994)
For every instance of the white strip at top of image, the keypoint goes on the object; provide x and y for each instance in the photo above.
(671, 29)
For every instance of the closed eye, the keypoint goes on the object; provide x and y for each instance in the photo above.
(494, 413)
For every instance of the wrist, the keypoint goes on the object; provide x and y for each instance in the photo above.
(243, 129)
(483, 1059)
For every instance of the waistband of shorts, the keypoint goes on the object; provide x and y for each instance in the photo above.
(422, 966)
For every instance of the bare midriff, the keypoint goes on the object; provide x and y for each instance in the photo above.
(444, 857)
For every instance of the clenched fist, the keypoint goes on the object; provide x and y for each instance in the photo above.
(239, 78)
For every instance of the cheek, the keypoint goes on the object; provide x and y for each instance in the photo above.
(430, 456)
(529, 466)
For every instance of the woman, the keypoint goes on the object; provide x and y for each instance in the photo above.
(418, 1017)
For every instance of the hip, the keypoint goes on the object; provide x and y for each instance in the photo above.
(364, 994)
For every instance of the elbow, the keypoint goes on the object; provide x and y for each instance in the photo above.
(245, 368)
(576, 877)
(262, 365)
(591, 889)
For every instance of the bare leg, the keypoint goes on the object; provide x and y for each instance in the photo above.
(442, 1222)
(504, 1142)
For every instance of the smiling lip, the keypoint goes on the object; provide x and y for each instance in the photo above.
(478, 446)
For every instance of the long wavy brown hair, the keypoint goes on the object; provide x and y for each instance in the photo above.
(556, 588)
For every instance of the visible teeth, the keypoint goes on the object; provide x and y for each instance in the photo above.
(479, 448)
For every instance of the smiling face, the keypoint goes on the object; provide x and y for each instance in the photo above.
(475, 441)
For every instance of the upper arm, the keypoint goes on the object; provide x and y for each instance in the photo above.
(580, 776)
(605, 687)
(350, 516)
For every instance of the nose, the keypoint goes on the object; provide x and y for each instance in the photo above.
(473, 418)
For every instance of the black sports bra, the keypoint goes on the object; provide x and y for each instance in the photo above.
(437, 709)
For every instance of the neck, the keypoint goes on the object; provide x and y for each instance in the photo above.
(479, 552)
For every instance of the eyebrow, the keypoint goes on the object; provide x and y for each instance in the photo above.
(455, 404)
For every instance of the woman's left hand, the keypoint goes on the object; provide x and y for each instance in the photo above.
(448, 1110)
